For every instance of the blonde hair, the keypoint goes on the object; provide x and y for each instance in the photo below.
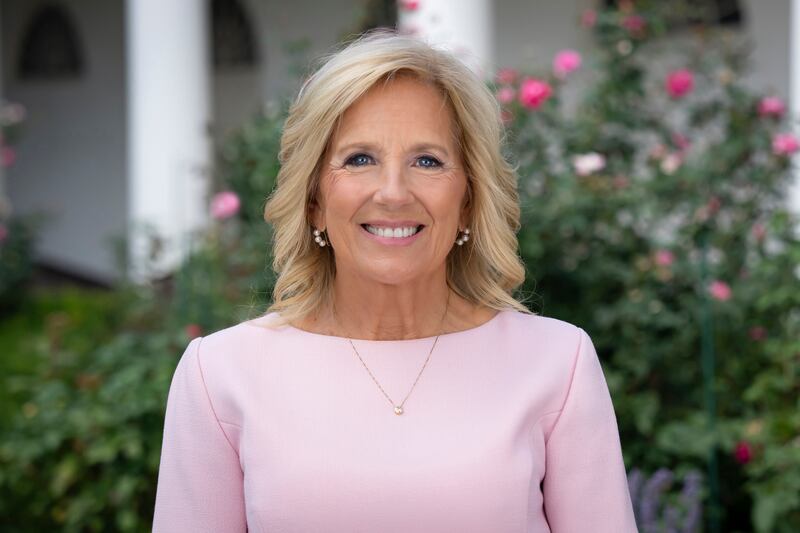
(487, 269)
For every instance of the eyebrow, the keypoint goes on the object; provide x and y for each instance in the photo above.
(415, 148)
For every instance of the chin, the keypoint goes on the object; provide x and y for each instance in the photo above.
(392, 275)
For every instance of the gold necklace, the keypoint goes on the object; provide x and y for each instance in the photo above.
(398, 409)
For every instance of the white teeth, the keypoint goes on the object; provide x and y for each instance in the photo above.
(394, 233)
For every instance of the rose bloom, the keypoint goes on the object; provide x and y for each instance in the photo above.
(589, 18)
(193, 330)
(586, 164)
(224, 205)
(720, 290)
(664, 258)
(757, 333)
(771, 106)
(409, 5)
(743, 453)
(681, 141)
(784, 144)
(679, 83)
(759, 231)
(671, 163)
(506, 76)
(534, 92)
(566, 61)
(634, 24)
(505, 95)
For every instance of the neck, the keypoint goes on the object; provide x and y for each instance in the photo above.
(379, 311)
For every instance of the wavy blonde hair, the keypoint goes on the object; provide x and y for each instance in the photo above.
(487, 269)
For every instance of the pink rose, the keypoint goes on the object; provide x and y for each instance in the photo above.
(506, 76)
(505, 95)
(7, 156)
(589, 18)
(681, 141)
(585, 164)
(771, 106)
(534, 92)
(224, 205)
(664, 258)
(193, 330)
(566, 61)
(713, 205)
(635, 24)
(784, 144)
(671, 163)
(743, 453)
(757, 333)
(759, 231)
(720, 290)
(409, 5)
(679, 82)
(3, 232)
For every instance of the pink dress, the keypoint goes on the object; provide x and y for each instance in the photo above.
(510, 429)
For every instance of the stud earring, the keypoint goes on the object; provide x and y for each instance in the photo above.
(319, 240)
(463, 238)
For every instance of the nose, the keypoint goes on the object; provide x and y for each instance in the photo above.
(393, 188)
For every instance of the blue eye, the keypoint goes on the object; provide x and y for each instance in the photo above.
(358, 160)
(427, 161)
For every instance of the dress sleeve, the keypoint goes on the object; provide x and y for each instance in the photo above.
(200, 479)
(585, 486)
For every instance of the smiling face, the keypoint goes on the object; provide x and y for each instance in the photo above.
(393, 162)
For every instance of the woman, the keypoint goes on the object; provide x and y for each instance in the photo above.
(395, 218)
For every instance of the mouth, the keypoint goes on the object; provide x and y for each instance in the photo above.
(374, 230)
(393, 236)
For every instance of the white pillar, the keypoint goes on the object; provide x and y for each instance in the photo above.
(794, 95)
(465, 27)
(169, 149)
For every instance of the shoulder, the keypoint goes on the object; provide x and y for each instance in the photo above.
(540, 331)
(548, 348)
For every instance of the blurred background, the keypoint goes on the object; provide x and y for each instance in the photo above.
(660, 212)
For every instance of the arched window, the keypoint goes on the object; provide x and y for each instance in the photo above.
(50, 46)
(233, 43)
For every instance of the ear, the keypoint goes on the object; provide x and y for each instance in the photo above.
(316, 215)
(466, 206)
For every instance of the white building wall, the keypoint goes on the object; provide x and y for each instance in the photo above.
(71, 157)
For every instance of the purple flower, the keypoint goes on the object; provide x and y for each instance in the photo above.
(651, 497)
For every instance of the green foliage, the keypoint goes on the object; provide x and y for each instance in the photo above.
(618, 250)
(629, 252)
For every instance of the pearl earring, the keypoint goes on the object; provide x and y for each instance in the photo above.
(463, 238)
(319, 239)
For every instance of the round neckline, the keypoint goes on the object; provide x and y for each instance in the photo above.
(481, 326)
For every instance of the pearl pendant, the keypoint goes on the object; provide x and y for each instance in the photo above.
(398, 410)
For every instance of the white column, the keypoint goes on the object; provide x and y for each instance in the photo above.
(794, 95)
(169, 149)
(465, 27)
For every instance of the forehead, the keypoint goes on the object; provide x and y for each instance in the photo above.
(403, 104)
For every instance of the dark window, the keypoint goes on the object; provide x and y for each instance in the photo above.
(722, 12)
(233, 43)
(50, 46)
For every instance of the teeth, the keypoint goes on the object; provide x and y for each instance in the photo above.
(394, 233)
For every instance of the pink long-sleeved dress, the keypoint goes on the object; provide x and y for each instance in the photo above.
(510, 429)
